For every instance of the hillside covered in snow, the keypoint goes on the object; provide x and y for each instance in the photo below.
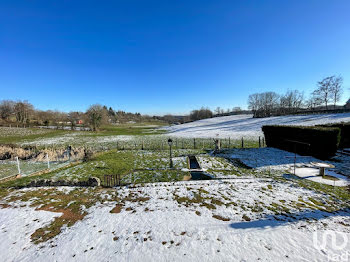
(237, 126)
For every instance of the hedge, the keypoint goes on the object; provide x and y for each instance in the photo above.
(320, 142)
(344, 133)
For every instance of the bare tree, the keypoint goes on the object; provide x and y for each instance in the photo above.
(254, 103)
(270, 101)
(6, 109)
(218, 110)
(291, 101)
(22, 110)
(96, 115)
(336, 89)
(263, 104)
(73, 118)
(202, 113)
(324, 90)
(313, 102)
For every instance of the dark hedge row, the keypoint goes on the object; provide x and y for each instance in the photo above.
(344, 133)
(320, 142)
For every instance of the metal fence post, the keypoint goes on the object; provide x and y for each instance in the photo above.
(48, 161)
(18, 167)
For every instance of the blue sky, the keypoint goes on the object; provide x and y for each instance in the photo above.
(160, 57)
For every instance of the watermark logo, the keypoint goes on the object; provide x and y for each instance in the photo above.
(334, 243)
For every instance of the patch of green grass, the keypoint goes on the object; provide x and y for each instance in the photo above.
(130, 129)
(133, 166)
(31, 134)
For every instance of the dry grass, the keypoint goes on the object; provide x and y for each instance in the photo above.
(221, 218)
(117, 209)
(70, 205)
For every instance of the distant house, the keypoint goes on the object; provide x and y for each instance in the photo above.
(80, 122)
(347, 105)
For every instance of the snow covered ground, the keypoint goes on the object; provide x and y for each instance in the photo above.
(238, 126)
(77, 138)
(239, 220)
(313, 175)
(273, 159)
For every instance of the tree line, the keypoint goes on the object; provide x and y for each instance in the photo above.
(23, 112)
(328, 92)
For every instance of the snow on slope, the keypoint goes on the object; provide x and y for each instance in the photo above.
(238, 126)
(170, 231)
(16, 227)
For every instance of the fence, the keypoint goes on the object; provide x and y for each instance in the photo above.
(180, 143)
(10, 168)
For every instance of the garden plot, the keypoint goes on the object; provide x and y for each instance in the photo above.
(244, 219)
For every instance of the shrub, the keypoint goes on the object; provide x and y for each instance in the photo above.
(344, 133)
(320, 142)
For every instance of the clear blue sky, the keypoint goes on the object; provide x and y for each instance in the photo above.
(168, 56)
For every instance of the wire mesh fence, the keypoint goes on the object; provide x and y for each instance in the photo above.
(10, 168)
(179, 143)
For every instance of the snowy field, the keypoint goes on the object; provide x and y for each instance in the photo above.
(281, 162)
(77, 139)
(238, 126)
(236, 220)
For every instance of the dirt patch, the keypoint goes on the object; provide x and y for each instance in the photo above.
(117, 209)
(133, 198)
(4, 205)
(69, 205)
(68, 217)
(246, 218)
(221, 218)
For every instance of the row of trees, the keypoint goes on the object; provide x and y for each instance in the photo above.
(329, 90)
(21, 110)
(24, 113)
(194, 115)
(265, 104)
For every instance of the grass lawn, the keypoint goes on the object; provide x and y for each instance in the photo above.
(15, 135)
(134, 166)
(26, 135)
(144, 128)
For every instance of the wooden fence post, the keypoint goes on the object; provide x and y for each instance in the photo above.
(259, 142)
(242, 143)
